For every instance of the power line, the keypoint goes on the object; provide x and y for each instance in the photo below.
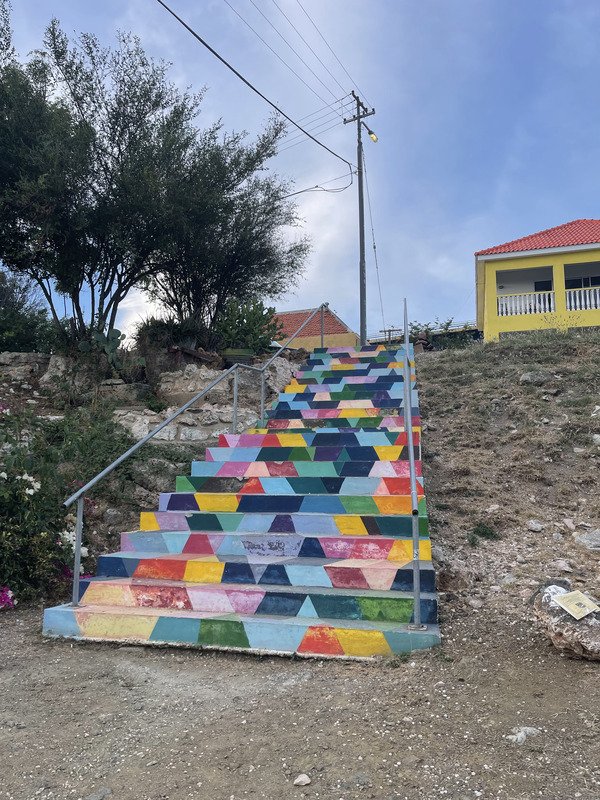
(275, 53)
(301, 141)
(333, 54)
(373, 236)
(319, 187)
(327, 105)
(247, 82)
(323, 119)
(306, 43)
(281, 36)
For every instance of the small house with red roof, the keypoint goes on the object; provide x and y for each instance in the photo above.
(336, 332)
(550, 279)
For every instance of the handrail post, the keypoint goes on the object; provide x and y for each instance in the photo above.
(77, 560)
(322, 326)
(262, 399)
(235, 398)
(408, 427)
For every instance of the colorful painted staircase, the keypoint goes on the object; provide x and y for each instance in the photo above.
(295, 538)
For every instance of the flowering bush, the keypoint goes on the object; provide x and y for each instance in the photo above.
(35, 530)
(7, 598)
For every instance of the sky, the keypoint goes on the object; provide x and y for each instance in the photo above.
(487, 119)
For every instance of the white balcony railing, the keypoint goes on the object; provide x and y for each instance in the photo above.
(531, 303)
(583, 299)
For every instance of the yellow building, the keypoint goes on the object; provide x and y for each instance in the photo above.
(550, 279)
(337, 333)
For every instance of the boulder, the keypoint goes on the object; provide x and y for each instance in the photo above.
(535, 378)
(576, 638)
(23, 366)
(591, 540)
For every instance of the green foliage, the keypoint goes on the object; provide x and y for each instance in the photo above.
(109, 343)
(164, 332)
(107, 185)
(249, 325)
(440, 333)
(481, 531)
(24, 323)
(35, 551)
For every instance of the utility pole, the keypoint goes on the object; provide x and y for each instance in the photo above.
(361, 113)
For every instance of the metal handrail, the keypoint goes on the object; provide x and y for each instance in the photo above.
(414, 498)
(79, 494)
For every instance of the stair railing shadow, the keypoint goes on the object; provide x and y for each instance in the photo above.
(79, 495)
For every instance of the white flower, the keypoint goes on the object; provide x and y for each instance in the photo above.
(29, 491)
(37, 486)
(3, 475)
(84, 552)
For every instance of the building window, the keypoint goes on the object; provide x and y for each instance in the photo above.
(542, 286)
(582, 283)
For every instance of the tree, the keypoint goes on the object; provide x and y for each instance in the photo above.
(24, 323)
(109, 185)
(232, 242)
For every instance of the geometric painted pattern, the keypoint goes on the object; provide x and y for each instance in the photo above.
(293, 538)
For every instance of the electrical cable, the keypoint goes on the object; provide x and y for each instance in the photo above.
(250, 86)
(319, 187)
(328, 105)
(295, 144)
(325, 119)
(373, 236)
(306, 43)
(318, 128)
(276, 54)
(292, 49)
(333, 54)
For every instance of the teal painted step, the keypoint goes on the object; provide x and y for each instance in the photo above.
(269, 571)
(274, 485)
(263, 634)
(270, 544)
(302, 469)
(393, 525)
(292, 601)
(291, 503)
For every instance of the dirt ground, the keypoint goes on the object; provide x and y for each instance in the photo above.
(90, 721)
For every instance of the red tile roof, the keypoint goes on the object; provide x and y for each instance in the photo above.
(571, 234)
(291, 321)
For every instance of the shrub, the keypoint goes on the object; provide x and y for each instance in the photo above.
(250, 326)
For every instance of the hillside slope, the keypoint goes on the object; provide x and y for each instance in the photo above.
(509, 443)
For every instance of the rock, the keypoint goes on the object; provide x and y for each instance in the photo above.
(558, 536)
(491, 509)
(534, 378)
(438, 554)
(591, 540)
(575, 638)
(596, 438)
(519, 735)
(99, 794)
(475, 602)
(454, 578)
(112, 516)
(302, 780)
(560, 564)
(22, 366)
(579, 449)
(507, 579)
(568, 523)
(535, 525)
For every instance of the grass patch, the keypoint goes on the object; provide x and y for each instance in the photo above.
(481, 531)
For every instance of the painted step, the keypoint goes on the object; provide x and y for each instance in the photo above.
(341, 405)
(393, 525)
(302, 635)
(273, 544)
(312, 485)
(338, 380)
(377, 574)
(319, 438)
(357, 422)
(288, 504)
(245, 599)
(348, 396)
(382, 452)
(345, 391)
(333, 413)
(302, 469)
(389, 358)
